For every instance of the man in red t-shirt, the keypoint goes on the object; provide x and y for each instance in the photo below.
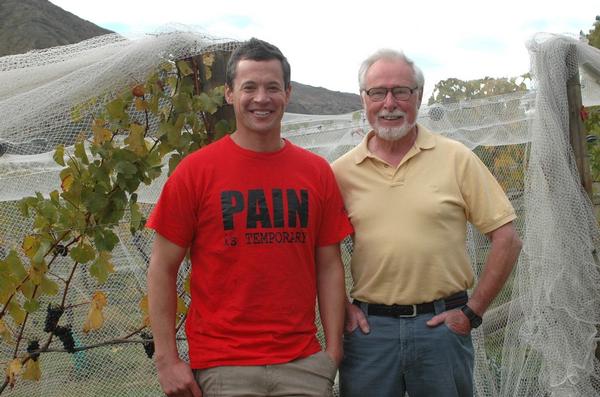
(262, 219)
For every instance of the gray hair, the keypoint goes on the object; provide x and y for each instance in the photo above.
(391, 55)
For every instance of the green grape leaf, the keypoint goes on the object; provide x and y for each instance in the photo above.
(222, 128)
(55, 197)
(94, 201)
(136, 217)
(204, 103)
(173, 136)
(82, 253)
(173, 162)
(48, 286)
(38, 259)
(184, 68)
(80, 153)
(102, 267)
(183, 102)
(59, 155)
(31, 305)
(135, 141)
(30, 245)
(27, 289)
(15, 266)
(116, 109)
(16, 312)
(105, 239)
(125, 167)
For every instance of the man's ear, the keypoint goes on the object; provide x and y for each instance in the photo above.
(288, 93)
(228, 94)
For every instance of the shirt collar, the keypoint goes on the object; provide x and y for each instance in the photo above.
(425, 140)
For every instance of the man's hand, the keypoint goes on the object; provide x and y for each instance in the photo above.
(176, 378)
(454, 319)
(336, 354)
(356, 318)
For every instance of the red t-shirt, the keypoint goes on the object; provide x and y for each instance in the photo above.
(252, 222)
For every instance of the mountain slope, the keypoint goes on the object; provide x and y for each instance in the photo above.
(307, 99)
(35, 24)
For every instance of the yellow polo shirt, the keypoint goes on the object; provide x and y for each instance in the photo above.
(410, 222)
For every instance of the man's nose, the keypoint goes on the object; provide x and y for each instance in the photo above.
(389, 102)
(261, 95)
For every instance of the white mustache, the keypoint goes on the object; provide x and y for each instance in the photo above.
(395, 113)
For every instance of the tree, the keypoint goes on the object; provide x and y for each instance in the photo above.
(593, 36)
(456, 90)
(591, 115)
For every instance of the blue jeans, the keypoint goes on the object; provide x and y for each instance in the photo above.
(405, 355)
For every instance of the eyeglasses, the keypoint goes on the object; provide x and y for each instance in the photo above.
(378, 94)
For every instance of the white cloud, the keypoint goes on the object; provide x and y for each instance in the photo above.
(325, 41)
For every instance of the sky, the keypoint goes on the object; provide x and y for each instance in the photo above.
(325, 41)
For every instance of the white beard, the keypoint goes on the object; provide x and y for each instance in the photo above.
(394, 133)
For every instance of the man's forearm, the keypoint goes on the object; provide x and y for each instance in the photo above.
(162, 304)
(331, 296)
(501, 259)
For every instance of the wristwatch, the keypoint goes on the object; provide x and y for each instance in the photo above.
(473, 317)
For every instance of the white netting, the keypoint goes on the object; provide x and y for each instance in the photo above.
(539, 337)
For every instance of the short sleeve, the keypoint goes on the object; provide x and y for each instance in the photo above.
(334, 225)
(487, 206)
(174, 216)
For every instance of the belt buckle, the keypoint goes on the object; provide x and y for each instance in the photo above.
(413, 314)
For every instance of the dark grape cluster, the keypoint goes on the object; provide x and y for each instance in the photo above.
(53, 314)
(61, 250)
(33, 350)
(148, 344)
(66, 337)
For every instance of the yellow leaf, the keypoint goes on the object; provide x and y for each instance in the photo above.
(13, 369)
(144, 308)
(16, 312)
(99, 299)
(181, 306)
(95, 318)
(187, 284)
(135, 141)
(30, 245)
(208, 58)
(5, 332)
(32, 370)
(35, 275)
(140, 105)
(66, 182)
(101, 134)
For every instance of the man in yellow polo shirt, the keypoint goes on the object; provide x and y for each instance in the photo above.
(409, 194)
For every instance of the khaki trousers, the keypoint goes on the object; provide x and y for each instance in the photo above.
(312, 376)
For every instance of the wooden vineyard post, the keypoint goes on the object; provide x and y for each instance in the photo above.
(576, 130)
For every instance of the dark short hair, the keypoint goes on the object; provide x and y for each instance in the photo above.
(256, 50)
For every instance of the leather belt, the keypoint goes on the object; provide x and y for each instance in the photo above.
(375, 309)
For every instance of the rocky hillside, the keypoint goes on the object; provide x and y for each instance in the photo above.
(35, 24)
(317, 100)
